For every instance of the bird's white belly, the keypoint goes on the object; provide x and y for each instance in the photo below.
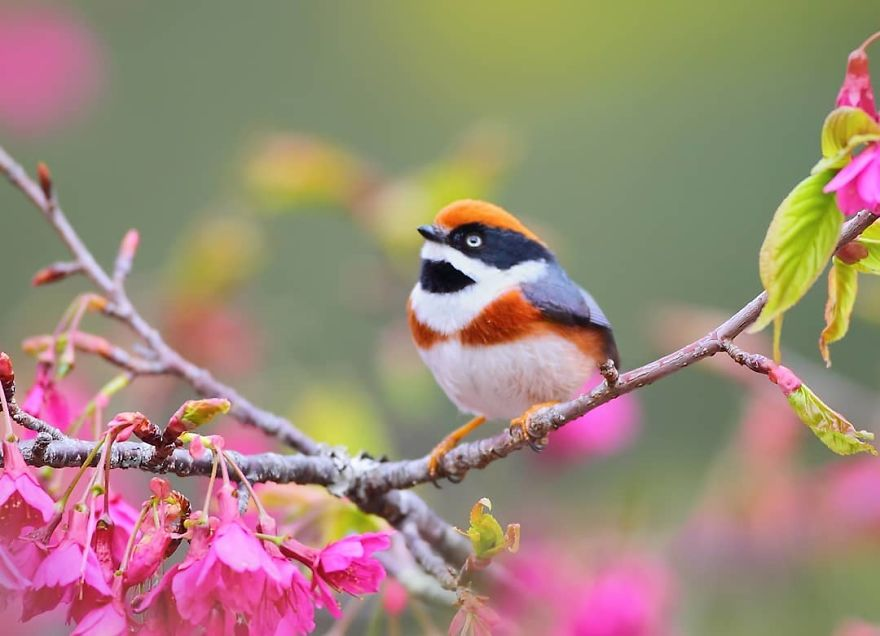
(503, 380)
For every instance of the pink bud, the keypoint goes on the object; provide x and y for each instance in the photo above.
(130, 244)
(856, 90)
(45, 179)
(785, 379)
(7, 373)
(395, 597)
(127, 423)
(160, 487)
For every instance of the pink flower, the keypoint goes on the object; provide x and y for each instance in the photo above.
(152, 546)
(45, 401)
(227, 569)
(346, 565)
(858, 184)
(629, 598)
(603, 431)
(11, 578)
(107, 619)
(228, 573)
(50, 68)
(289, 607)
(71, 573)
(23, 503)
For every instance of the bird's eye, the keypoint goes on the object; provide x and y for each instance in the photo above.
(473, 240)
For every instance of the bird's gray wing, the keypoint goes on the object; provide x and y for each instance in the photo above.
(563, 301)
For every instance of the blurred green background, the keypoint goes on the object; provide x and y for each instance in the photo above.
(648, 142)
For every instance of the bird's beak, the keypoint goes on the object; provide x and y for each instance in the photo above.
(433, 233)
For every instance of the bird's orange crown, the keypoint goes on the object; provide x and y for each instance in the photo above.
(467, 211)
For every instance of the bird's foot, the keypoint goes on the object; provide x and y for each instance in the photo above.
(608, 370)
(435, 458)
(522, 423)
(437, 455)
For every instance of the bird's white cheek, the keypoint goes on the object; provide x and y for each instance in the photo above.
(449, 313)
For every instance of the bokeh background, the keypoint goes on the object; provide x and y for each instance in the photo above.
(277, 157)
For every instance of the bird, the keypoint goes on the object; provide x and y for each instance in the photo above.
(498, 322)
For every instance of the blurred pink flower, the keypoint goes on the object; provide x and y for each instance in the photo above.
(770, 431)
(603, 431)
(858, 184)
(850, 498)
(23, 503)
(394, 597)
(857, 628)
(632, 597)
(50, 68)
(474, 618)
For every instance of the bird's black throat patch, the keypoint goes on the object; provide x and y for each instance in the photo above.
(440, 277)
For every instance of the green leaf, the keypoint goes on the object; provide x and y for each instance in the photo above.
(486, 534)
(196, 413)
(842, 288)
(834, 430)
(844, 130)
(870, 264)
(799, 242)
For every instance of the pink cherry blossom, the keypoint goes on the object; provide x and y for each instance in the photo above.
(12, 580)
(71, 573)
(106, 619)
(346, 565)
(229, 573)
(226, 569)
(603, 431)
(857, 185)
(23, 503)
(45, 401)
(50, 68)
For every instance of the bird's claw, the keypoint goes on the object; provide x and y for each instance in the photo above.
(522, 423)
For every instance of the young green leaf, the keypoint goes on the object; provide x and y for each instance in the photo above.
(834, 430)
(844, 130)
(192, 414)
(842, 288)
(486, 534)
(869, 263)
(799, 242)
